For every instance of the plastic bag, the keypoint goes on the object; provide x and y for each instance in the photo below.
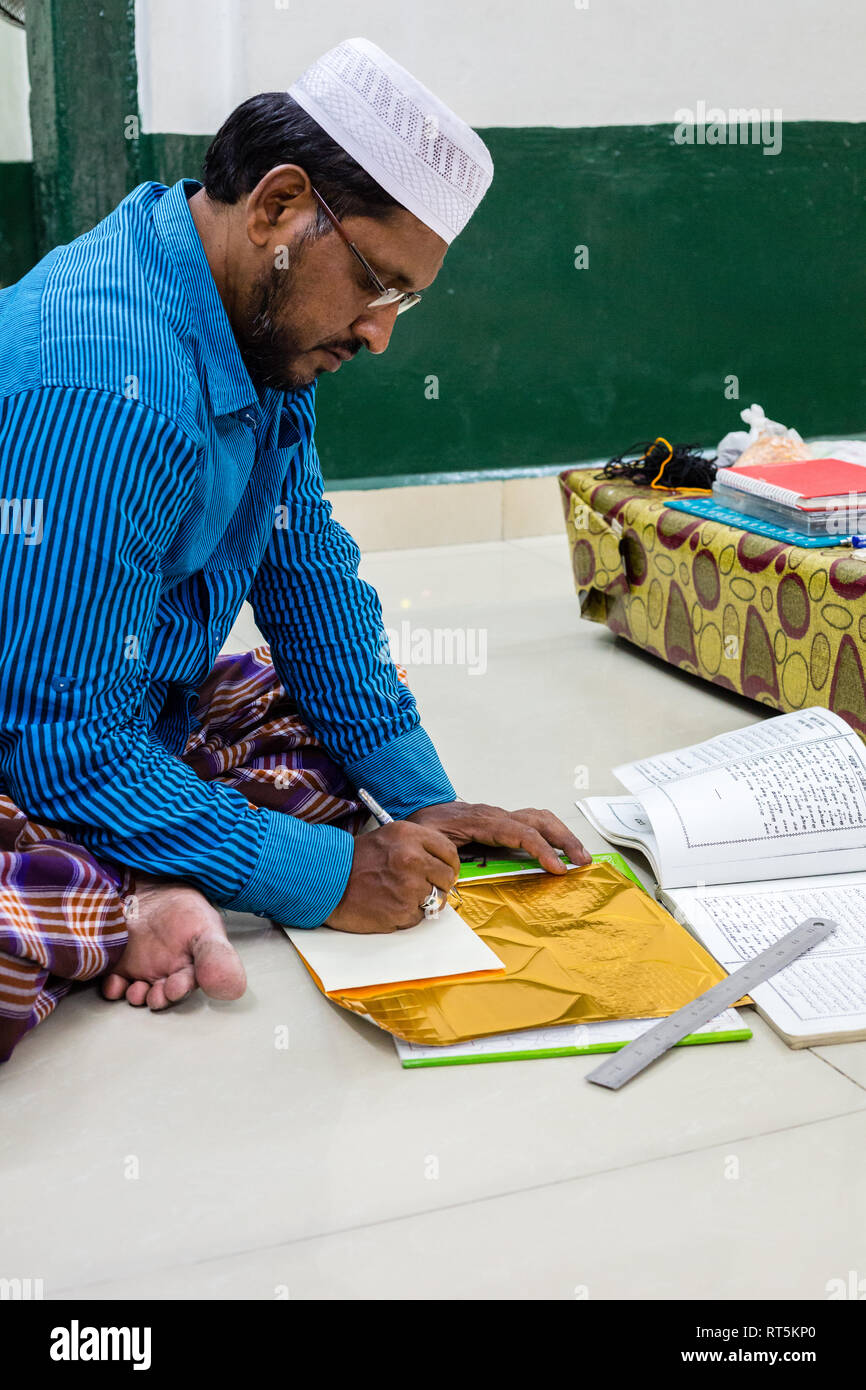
(766, 441)
(848, 450)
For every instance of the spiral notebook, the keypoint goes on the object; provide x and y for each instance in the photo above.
(806, 484)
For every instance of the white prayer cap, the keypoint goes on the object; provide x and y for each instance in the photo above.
(405, 137)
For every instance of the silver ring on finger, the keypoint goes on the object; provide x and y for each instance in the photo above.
(432, 904)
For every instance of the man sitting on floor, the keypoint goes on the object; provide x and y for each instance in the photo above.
(157, 391)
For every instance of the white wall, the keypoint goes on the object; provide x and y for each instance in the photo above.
(509, 62)
(14, 96)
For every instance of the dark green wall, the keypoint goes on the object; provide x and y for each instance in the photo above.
(83, 109)
(703, 261)
(83, 95)
(17, 228)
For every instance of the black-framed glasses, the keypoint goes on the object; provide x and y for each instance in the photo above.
(404, 299)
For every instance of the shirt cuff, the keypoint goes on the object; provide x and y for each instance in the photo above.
(301, 872)
(404, 775)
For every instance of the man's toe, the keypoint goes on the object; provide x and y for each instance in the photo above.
(156, 999)
(179, 985)
(218, 968)
(114, 986)
(137, 993)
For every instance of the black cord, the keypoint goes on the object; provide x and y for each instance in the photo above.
(679, 465)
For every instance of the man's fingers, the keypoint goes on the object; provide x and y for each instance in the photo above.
(514, 829)
(441, 848)
(556, 833)
(504, 828)
(416, 916)
(438, 874)
(535, 844)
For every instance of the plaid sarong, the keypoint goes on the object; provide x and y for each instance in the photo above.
(62, 911)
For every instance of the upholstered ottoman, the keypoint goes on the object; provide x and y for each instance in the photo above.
(782, 624)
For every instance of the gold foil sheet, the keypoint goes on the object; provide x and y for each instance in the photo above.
(577, 948)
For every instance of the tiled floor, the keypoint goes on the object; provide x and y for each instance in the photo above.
(186, 1156)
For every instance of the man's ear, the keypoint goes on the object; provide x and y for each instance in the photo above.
(282, 199)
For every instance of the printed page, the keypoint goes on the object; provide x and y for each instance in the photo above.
(574, 1038)
(794, 810)
(803, 726)
(822, 992)
(624, 821)
(437, 948)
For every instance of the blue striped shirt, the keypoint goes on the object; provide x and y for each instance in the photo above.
(171, 490)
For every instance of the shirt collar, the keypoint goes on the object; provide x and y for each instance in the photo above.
(229, 384)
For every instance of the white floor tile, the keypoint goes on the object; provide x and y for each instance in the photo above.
(849, 1058)
(732, 1221)
(241, 1147)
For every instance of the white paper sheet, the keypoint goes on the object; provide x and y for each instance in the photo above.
(799, 810)
(442, 947)
(786, 797)
(622, 820)
(577, 1038)
(820, 994)
(803, 726)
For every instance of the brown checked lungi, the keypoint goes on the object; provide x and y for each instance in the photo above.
(62, 911)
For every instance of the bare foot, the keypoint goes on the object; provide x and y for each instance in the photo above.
(176, 941)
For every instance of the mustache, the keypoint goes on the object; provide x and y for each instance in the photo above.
(350, 346)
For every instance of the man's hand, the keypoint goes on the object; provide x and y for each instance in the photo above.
(393, 870)
(540, 833)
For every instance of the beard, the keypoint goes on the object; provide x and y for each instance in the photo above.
(267, 346)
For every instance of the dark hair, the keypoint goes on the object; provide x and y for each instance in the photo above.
(271, 129)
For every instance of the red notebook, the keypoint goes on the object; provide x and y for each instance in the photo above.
(824, 481)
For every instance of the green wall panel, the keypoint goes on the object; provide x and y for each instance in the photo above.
(17, 228)
(168, 158)
(83, 113)
(704, 261)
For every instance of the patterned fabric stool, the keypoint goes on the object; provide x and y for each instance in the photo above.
(782, 624)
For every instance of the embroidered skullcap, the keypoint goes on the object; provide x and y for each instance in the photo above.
(408, 140)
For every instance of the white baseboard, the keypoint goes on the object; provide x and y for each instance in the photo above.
(402, 518)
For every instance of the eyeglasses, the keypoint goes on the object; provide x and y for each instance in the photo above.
(404, 299)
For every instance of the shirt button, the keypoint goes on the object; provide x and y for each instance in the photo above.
(61, 682)
(249, 418)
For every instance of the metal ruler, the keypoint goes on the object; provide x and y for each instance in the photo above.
(631, 1059)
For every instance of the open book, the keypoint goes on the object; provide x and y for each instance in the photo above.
(749, 834)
